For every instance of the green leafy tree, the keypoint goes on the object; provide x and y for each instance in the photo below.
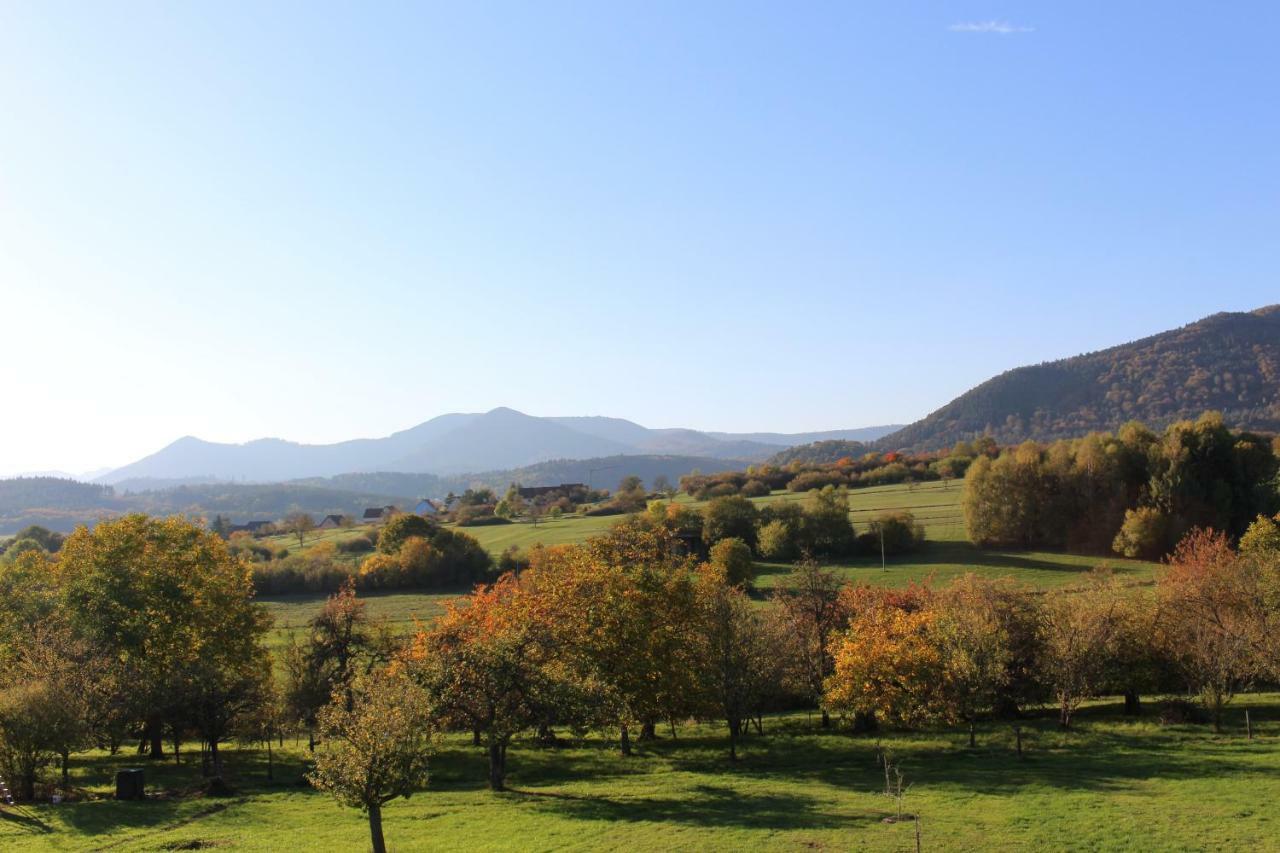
(730, 517)
(375, 748)
(163, 598)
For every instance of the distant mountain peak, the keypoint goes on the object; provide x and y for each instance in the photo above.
(499, 439)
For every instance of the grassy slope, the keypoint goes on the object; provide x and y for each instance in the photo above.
(1111, 785)
(936, 505)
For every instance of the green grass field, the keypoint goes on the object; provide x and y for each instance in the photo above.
(946, 554)
(1113, 784)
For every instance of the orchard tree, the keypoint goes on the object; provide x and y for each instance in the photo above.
(888, 664)
(163, 598)
(487, 666)
(1079, 629)
(732, 644)
(973, 642)
(1210, 618)
(299, 524)
(810, 606)
(374, 748)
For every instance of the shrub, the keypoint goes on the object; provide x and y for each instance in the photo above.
(403, 527)
(281, 553)
(754, 489)
(1145, 533)
(811, 480)
(778, 541)
(467, 515)
(719, 490)
(732, 558)
(901, 534)
(380, 571)
(607, 509)
(483, 521)
(358, 545)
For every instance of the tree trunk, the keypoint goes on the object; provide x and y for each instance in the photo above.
(626, 740)
(375, 830)
(1064, 717)
(865, 721)
(311, 739)
(973, 741)
(29, 785)
(1132, 703)
(475, 737)
(649, 731)
(66, 773)
(826, 719)
(216, 759)
(155, 733)
(497, 766)
(733, 740)
(271, 768)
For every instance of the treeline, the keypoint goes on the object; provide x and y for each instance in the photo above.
(1135, 492)
(855, 470)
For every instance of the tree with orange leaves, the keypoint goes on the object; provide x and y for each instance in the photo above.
(621, 607)
(886, 662)
(1210, 619)
(489, 665)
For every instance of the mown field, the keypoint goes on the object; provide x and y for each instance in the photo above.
(936, 505)
(1112, 784)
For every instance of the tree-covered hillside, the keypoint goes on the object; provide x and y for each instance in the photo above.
(1228, 362)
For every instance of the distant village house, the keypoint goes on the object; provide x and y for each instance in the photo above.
(428, 508)
(379, 514)
(331, 522)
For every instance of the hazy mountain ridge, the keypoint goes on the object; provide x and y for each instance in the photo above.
(1229, 362)
(61, 504)
(498, 440)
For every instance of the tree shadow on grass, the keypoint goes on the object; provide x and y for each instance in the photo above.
(704, 805)
(1087, 758)
(23, 820)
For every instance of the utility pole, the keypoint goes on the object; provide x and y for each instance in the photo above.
(883, 567)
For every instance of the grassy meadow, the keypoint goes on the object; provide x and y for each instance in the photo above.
(1111, 784)
(936, 505)
(1114, 783)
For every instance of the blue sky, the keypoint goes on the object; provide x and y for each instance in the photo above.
(321, 221)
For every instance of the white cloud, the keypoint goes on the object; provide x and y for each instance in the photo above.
(1001, 28)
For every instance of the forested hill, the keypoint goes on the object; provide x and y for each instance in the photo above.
(1228, 362)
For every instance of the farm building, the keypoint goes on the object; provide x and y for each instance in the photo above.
(256, 528)
(330, 522)
(428, 508)
(379, 514)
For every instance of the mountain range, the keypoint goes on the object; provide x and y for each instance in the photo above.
(453, 444)
(1228, 362)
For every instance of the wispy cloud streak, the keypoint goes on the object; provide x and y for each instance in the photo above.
(1000, 28)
